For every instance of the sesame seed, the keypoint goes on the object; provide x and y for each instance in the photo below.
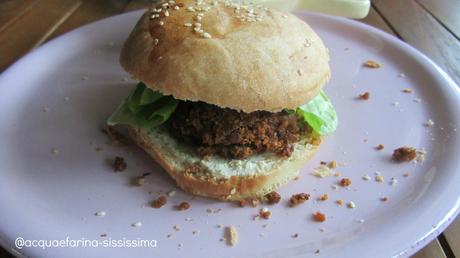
(379, 178)
(165, 5)
(299, 72)
(197, 29)
(198, 18)
(351, 205)
(100, 214)
(166, 13)
(429, 123)
(171, 193)
(197, 24)
(187, 24)
(161, 23)
(136, 224)
(366, 178)
(393, 181)
(176, 227)
(156, 41)
(176, 7)
(190, 9)
(207, 35)
(172, 2)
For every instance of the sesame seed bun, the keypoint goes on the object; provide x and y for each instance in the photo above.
(242, 57)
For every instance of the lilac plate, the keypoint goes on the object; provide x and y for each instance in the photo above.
(54, 174)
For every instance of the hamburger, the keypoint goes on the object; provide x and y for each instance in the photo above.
(230, 99)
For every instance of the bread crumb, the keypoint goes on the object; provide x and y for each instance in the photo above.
(339, 202)
(139, 180)
(233, 235)
(332, 164)
(407, 174)
(318, 216)
(324, 197)
(176, 227)
(119, 164)
(183, 206)
(384, 199)
(407, 90)
(404, 154)
(401, 75)
(264, 213)
(372, 64)
(366, 178)
(297, 199)
(115, 137)
(159, 202)
(364, 96)
(421, 155)
(242, 203)
(380, 147)
(296, 235)
(323, 171)
(344, 182)
(272, 197)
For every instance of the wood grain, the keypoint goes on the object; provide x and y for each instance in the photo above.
(23, 35)
(11, 10)
(446, 11)
(432, 250)
(89, 11)
(374, 19)
(139, 4)
(422, 31)
(452, 235)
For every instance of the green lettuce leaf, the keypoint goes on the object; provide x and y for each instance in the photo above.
(144, 108)
(319, 114)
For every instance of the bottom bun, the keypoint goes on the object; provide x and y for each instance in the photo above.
(221, 178)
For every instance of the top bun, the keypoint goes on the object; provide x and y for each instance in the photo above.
(227, 53)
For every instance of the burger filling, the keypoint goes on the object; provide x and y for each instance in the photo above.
(236, 135)
(223, 131)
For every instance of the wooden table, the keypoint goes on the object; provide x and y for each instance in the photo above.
(432, 26)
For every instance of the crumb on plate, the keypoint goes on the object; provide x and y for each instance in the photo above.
(297, 199)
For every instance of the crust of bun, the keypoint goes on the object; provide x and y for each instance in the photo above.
(273, 63)
(203, 181)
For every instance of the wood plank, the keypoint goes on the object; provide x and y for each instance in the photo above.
(23, 35)
(374, 19)
(452, 234)
(89, 11)
(432, 250)
(422, 31)
(10, 10)
(446, 11)
(139, 4)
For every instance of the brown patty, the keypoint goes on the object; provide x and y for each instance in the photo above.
(234, 134)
